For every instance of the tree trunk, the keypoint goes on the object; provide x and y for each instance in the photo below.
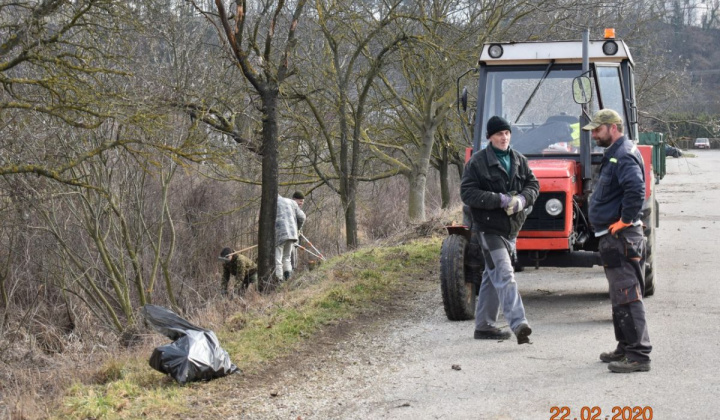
(349, 203)
(444, 182)
(268, 200)
(416, 202)
(348, 183)
(418, 179)
(460, 169)
(351, 227)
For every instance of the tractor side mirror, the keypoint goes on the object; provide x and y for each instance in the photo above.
(582, 90)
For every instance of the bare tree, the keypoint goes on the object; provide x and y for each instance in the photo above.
(251, 35)
(356, 42)
(418, 86)
(56, 67)
(111, 239)
(104, 144)
(447, 152)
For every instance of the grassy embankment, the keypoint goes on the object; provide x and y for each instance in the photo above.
(272, 327)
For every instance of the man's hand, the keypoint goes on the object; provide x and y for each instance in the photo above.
(504, 200)
(618, 226)
(517, 203)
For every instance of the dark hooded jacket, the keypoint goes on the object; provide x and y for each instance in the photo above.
(620, 190)
(483, 181)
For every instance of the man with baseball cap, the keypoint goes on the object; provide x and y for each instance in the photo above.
(614, 211)
(498, 186)
(604, 117)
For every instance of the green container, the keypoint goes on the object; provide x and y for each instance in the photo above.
(658, 153)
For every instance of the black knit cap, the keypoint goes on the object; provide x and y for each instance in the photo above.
(298, 195)
(496, 124)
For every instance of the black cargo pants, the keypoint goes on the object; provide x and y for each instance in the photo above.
(621, 255)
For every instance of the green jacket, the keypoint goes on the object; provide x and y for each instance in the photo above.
(241, 267)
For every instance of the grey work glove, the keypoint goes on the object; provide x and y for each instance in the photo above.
(504, 200)
(516, 204)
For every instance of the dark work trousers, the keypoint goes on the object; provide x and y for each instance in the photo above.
(621, 258)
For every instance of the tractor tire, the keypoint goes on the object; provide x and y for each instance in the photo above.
(649, 223)
(459, 297)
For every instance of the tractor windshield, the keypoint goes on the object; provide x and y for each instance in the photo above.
(538, 103)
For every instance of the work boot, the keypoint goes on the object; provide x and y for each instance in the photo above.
(494, 334)
(286, 275)
(523, 334)
(628, 366)
(611, 356)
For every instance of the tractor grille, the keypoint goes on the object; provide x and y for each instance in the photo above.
(538, 219)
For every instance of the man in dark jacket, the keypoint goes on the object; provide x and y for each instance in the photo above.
(498, 185)
(614, 211)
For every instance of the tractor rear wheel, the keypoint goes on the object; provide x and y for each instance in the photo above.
(649, 225)
(459, 297)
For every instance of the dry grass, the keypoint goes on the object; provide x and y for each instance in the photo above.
(66, 377)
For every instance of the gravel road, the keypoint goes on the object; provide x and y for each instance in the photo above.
(402, 368)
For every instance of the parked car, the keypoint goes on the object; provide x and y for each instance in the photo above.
(702, 143)
(672, 151)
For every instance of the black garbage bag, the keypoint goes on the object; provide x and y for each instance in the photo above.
(194, 355)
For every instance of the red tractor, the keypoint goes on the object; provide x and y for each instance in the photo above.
(548, 90)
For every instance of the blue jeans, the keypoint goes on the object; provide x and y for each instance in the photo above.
(498, 285)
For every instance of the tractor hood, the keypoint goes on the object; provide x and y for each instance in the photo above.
(553, 168)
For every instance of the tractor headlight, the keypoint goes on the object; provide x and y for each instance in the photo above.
(610, 47)
(553, 207)
(495, 50)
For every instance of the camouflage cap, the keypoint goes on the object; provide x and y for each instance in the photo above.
(604, 116)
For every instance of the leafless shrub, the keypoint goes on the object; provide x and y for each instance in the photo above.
(383, 209)
(323, 227)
